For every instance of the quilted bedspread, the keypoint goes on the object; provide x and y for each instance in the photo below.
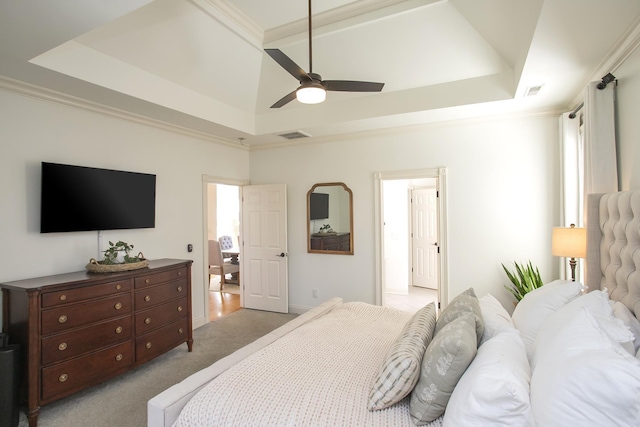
(319, 374)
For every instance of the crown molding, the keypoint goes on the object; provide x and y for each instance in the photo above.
(349, 11)
(553, 113)
(37, 92)
(233, 18)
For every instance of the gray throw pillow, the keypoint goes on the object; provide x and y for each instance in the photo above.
(445, 360)
(401, 367)
(464, 304)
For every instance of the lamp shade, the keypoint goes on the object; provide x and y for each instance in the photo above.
(570, 242)
(311, 94)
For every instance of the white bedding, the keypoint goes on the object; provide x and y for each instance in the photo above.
(323, 382)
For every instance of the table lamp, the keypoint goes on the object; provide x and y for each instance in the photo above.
(569, 242)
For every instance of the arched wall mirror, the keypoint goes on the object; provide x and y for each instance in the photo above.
(330, 219)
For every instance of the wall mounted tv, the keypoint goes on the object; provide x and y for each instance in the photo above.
(78, 198)
(318, 206)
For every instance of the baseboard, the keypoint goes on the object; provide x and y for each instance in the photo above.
(200, 321)
(299, 309)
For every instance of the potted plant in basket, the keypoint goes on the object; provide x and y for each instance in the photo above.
(118, 253)
(525, 279)
(118, 258)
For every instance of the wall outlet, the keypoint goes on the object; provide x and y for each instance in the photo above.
(315, 293)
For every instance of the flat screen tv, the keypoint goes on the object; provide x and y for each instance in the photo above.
(319, 206)
(78, 198)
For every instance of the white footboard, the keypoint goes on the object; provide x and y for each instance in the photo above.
(163, 409)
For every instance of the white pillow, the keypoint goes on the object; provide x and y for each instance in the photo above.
(537, 305)
(496, 318)
(597, 303)
(596, 386)
(622, 312)
(494, 390)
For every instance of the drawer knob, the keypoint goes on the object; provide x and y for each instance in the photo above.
(62, 346)
(147, 281)
(180, 330)
(147, 298)
(118, 306)
(147, 320)
(179, 308)
(62, 319)
(63, 297)
(118, 286)
(179, 288)
(179, 273)
(119, 357)
(148, 345)
(119, 330)
(62, 378)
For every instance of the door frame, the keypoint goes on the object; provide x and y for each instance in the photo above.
(206, 180)
(441, 187)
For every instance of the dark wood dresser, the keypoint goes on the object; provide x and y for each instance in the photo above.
(333, 242)
(80, 329)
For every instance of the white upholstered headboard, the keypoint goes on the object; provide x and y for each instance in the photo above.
(613, 246)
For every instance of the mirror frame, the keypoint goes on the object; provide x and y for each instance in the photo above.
(350, 193)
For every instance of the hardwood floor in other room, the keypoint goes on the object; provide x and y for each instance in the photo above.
(222, 303)
(416, 299)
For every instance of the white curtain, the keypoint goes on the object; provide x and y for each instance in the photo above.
(588, 158)
(571, 177)
(600, 164)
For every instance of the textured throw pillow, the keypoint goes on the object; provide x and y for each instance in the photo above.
(494, 391)
(401, 367)
(495, 318)
(464, 304)
(537, 305)
(447, 357)
(590, 380)
(597, 304)
(622, 312)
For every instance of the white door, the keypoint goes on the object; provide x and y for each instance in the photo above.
(264, 247)
(424, 240)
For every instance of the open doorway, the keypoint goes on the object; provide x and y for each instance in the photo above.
(410, 217)
(222, 222)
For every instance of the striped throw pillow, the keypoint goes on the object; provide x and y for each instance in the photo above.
(401, 368)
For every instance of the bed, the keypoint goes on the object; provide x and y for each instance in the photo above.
(567, 356)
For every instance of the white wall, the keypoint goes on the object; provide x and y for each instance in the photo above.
(502, 201)
(32, 131)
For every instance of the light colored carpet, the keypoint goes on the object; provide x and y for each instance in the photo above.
(122, 401)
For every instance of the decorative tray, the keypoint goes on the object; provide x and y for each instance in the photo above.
(97, 267)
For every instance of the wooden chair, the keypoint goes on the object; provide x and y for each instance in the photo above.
(218, 266)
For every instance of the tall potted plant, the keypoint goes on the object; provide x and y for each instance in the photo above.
(525, 279)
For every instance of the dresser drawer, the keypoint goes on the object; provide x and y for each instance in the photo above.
(63, 346)
(160, 315)
(157, 278)
(161, 340)
(71, 316)
(149, 297)
(53, 299)
(68, 377)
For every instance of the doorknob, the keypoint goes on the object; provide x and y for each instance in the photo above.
(282, 255)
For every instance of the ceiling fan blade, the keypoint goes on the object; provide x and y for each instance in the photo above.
(288, 64)
(285, 100)
(352, 86)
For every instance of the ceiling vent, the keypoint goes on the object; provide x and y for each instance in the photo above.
(532, 90)
(295, 135)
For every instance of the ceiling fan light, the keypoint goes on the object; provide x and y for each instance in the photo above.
(311, 94)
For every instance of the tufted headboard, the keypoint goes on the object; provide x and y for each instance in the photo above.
(613, 246)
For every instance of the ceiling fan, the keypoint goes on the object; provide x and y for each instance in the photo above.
(313, 89)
